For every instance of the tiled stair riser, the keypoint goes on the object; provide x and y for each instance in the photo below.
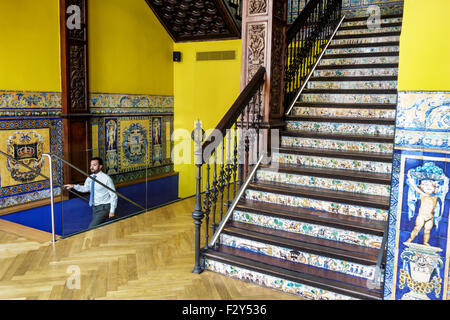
(344, 112)
(283, 285)
(352, 85)
(324, 183)
(369, 30)
(363, 50)
(318, 261)
(332, 163)
(348, 98)
(319, 205)
(336, 144)
(342, 128)
(308, 229)
(356, 72)
(364, 22)
(352, 61)
(365, 40)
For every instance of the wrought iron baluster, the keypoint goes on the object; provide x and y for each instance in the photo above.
(221, 178)
(214, 193)
(207, 203)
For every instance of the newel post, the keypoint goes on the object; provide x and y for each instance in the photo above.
(264, 44)
(197, 214)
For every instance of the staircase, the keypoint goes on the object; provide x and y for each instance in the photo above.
(314, 227)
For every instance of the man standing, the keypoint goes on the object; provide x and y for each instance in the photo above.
(102, 200)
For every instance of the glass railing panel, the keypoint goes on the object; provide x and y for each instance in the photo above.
(129, 197)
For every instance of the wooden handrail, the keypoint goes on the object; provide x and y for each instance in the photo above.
(238, 106)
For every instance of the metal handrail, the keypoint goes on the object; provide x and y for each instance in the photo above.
(100, 183)
(314, 67)
(234, 203)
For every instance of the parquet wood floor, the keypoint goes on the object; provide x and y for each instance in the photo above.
(148, 256)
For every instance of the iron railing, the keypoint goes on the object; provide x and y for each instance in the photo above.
(305, 41)
(227, 157)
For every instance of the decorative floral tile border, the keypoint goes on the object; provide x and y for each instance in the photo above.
(268, 281)
(308, 229)
(327, 263)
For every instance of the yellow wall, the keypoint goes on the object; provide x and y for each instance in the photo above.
(30, 46)
(203, 90)
(425, 46)
(129, 50)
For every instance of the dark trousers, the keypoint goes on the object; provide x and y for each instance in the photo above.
(100, 214)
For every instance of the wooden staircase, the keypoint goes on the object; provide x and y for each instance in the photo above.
(313, 225)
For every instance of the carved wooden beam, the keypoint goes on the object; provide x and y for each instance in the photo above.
(75, 86)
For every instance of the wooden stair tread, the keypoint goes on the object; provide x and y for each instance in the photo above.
(337, 136)
(358, 224)
(344, 174)
(308, 275)
(346, 105)
(359, 66)
(367, 156)
(342, 119)
(361, 55)
(367, 35)
(354, 78)
(382, 25)
(380, 202)
(364, 45)
(349, 91)
(386, 16)
(326, 251)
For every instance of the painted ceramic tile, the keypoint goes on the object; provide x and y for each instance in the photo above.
(328, 263)
(30, 99)
(332, 163)
(18, 199)
(26, 140)
(363, 50)
(319, 205)
(337, 145)
(342, 128)
(364, 22)
(352, 61)
(30, 104)
(308, 229)
(422, 139)
(369, 31)
(283, 285)
(106, 103)
(324, 183)
(352, 85)
(348, 98)
(344, 112)
(366, 40)
(424, 110)
(417, 265)
(356, 72)
(362, 11)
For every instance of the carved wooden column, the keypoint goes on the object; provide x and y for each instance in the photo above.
(263, 44)
(75, 86)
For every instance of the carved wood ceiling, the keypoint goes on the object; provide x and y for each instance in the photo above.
(193, 20)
